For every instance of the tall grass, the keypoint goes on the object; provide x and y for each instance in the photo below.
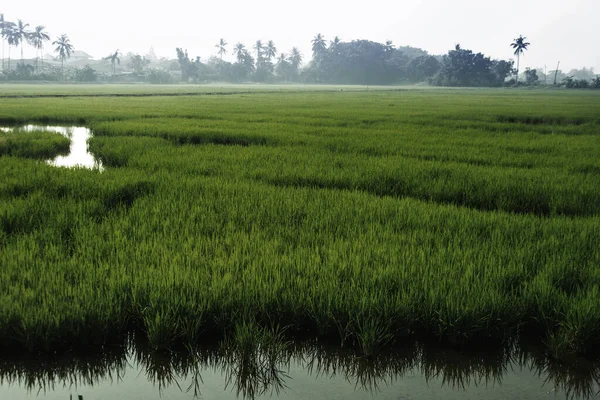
(363, 217)
(33, 144)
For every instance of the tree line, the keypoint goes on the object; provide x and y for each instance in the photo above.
(360, 62)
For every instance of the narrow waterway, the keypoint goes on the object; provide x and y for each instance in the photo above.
(302, 373)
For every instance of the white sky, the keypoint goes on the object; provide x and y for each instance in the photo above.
(557, 30)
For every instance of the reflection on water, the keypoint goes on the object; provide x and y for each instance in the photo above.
(299, 371)
(78, 156)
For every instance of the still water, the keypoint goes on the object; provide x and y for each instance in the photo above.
(298, 372)
(79, 155)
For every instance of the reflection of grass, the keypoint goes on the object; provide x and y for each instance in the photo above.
(362, 217)
(33, 144)
(255, 360)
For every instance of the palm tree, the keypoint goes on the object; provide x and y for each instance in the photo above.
(282, 59)
(114, 60)
(222, 50)
(318, 46)
(270, 50)
(20, 36)
(2, 22)
(8, 32)
(520, 45)
(258, 46)
(335, 43)
(221, 46)
(239, 51)
(282, 66)
(64, 49)
(295, 59)
(37, 39)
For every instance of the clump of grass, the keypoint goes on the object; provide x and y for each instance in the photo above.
(33, 144)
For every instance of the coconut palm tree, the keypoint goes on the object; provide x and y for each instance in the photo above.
(335, 43)
(37, 39)
(520, 45)
(282, 59)
(21, 35)
(295, 59)
(318, 46)
(8, 32)
(270, 50)
(2, 22)
(114, 60)
(64, 49)
(258, 46)
(221, 46)
(239, 51)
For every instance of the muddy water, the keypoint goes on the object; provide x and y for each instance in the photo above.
(79, 155)
(305, 373)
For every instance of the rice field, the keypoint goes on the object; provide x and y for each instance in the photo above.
(363, 217)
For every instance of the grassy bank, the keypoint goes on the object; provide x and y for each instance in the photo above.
(362, 216)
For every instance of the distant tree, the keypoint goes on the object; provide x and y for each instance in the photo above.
(531, 76)
(245, 64)
(502, 69)
(422, 68)
(238, 51)
(114, 60)
(64, 48)
(20, 35)
(389, 47)
(258, 46)
(583, 73)
(8, 33)
(333, 45)
(295, 59)
(37, 39)
(221, 46)
(184, 61)
(519, 45)
(462, 67)
(270, 50)
(86, 74)
(318, 47)
(189, 69)
(282, 68)
(138, 63)
(2, 36)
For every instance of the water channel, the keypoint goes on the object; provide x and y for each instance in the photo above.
(301, 371)
(79, 155)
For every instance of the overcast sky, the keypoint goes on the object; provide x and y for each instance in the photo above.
(558, 30)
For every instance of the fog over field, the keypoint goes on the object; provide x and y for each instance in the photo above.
(557, 30)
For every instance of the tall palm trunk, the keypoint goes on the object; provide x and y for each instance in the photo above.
(22, 60)
(42, 54)
(2, 54)
(518, 60)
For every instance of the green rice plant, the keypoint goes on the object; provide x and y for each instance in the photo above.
(359, 217)
(33, 144)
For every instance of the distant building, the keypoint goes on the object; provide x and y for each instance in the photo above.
(79, 55)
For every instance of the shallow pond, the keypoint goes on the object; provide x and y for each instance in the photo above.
(79, 155)
(305, 372)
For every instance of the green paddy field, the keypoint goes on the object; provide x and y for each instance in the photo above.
(360, 216)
